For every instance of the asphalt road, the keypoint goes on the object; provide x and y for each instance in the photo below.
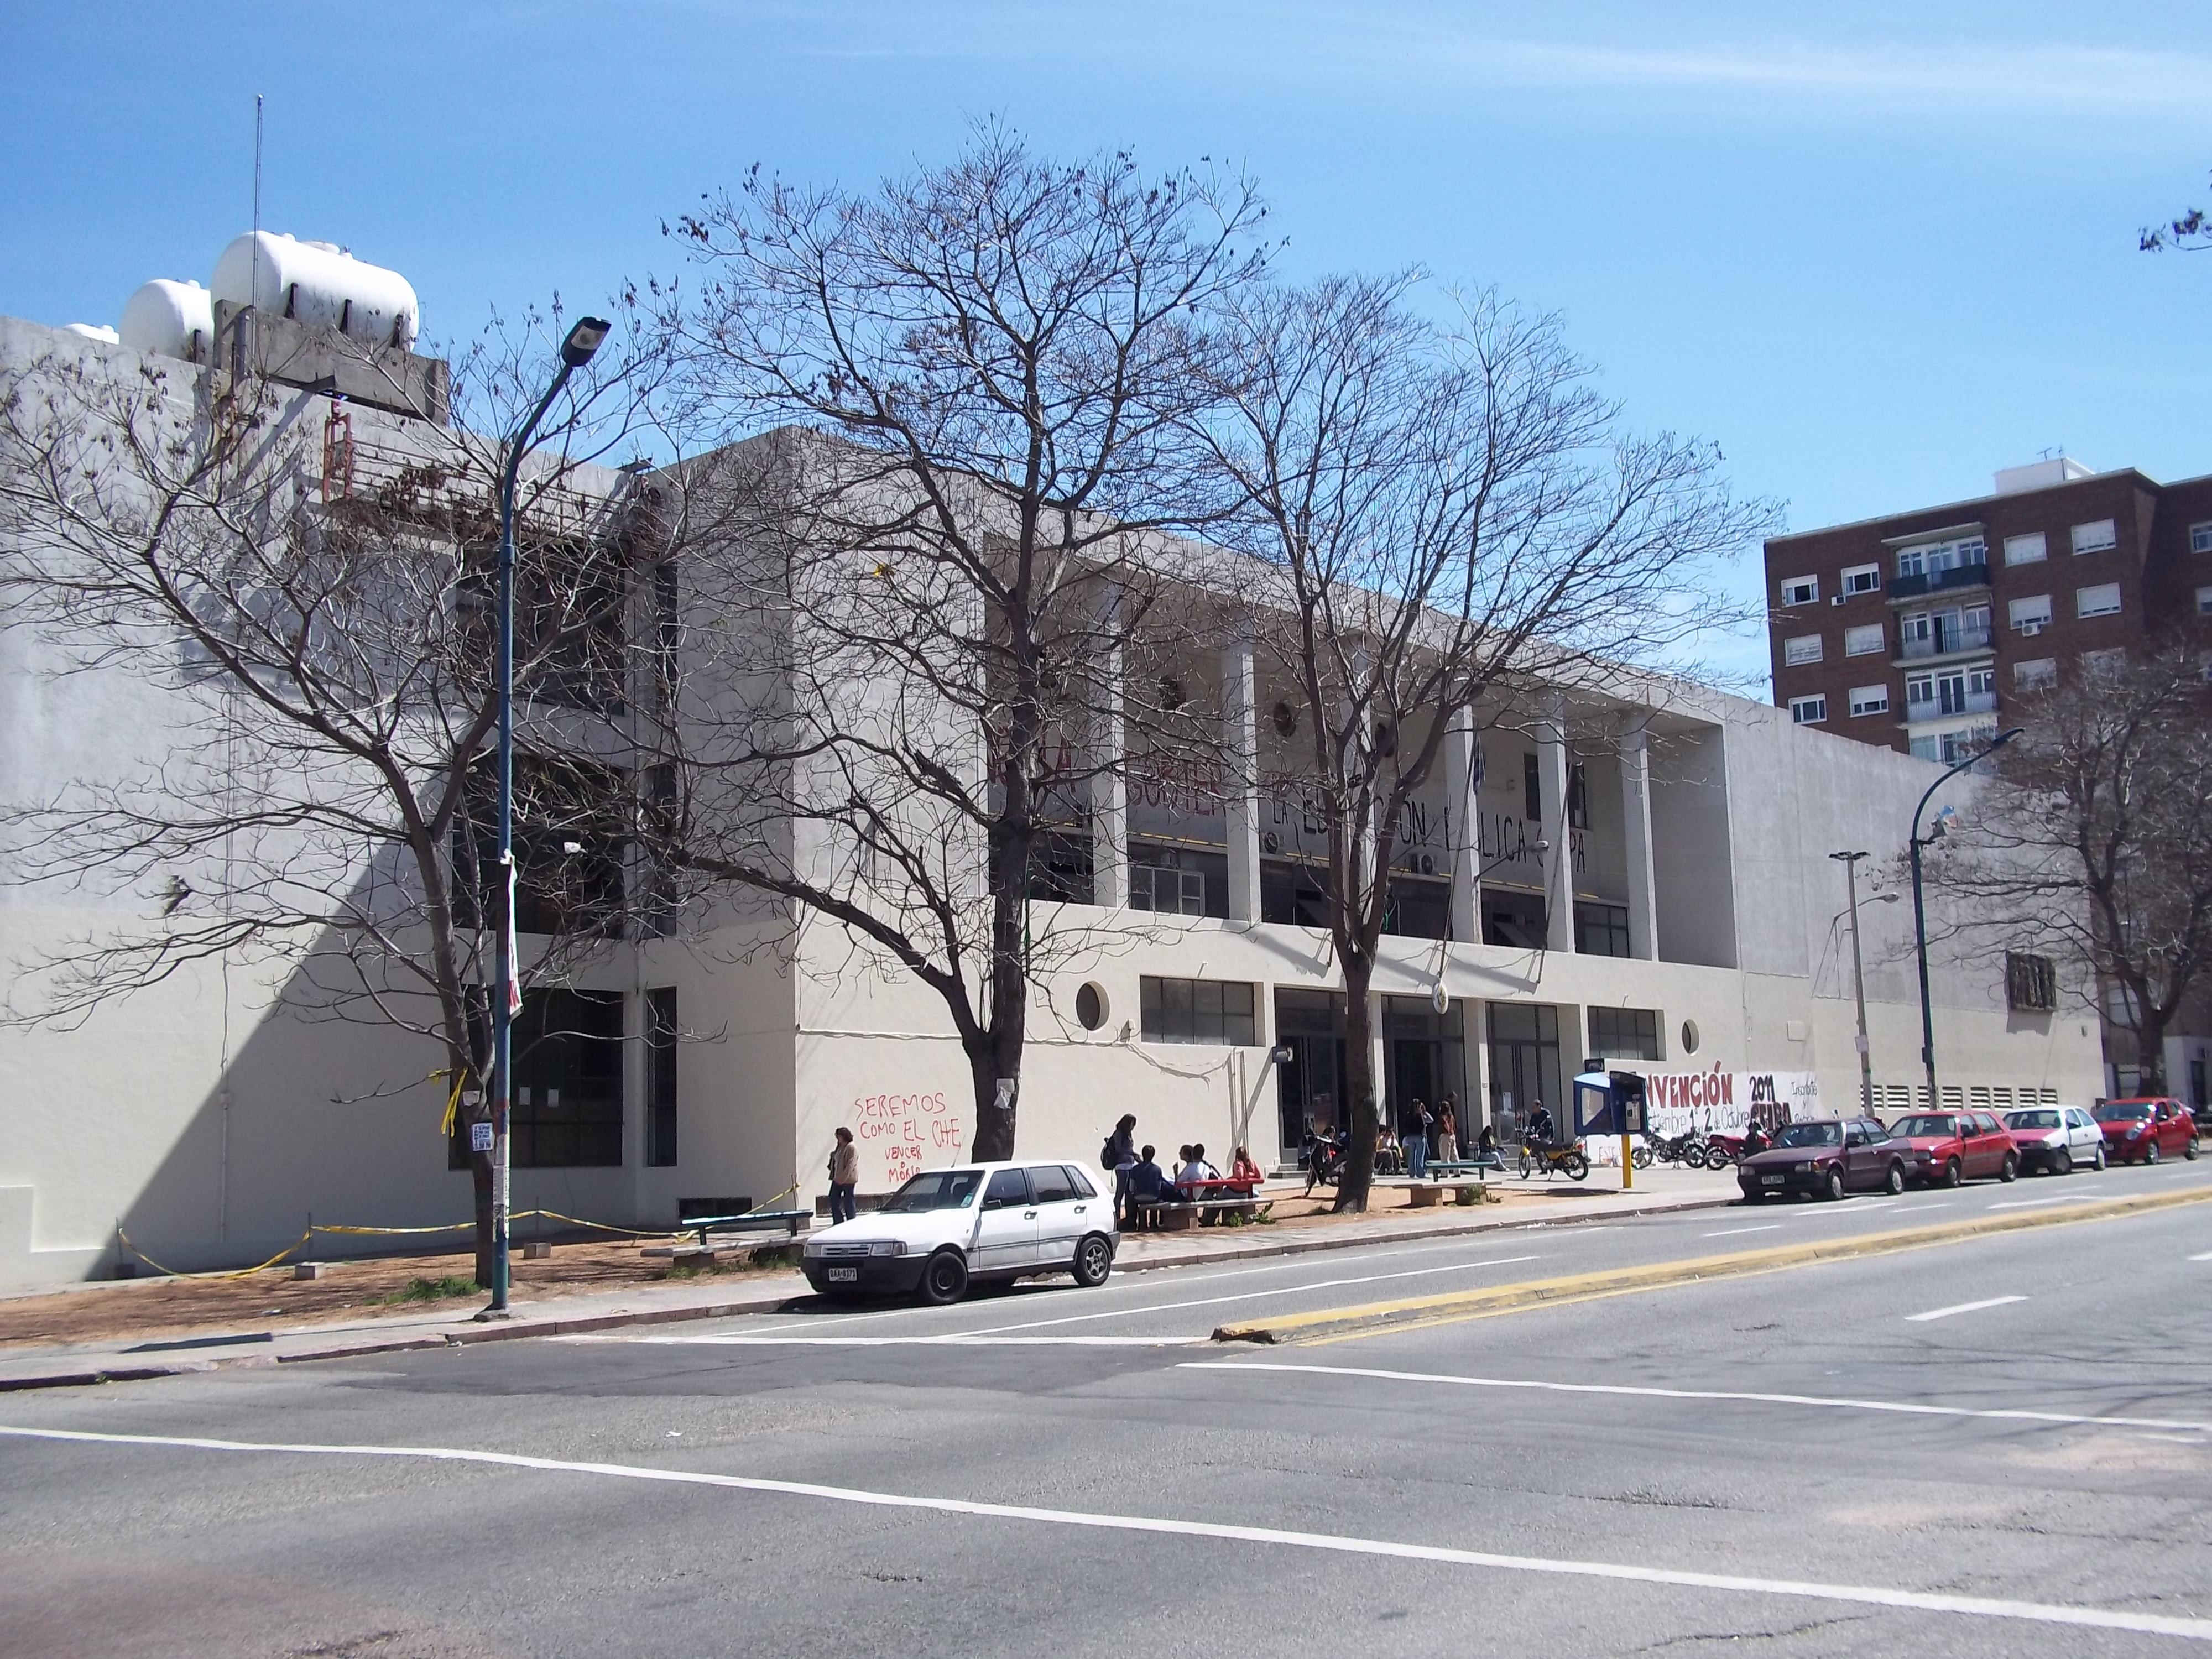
(1997, 1446)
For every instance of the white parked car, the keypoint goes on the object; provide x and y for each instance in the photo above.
(2056, 1138)
(947, 1229)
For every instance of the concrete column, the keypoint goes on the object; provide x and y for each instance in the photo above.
(1465, 842)
(1241, 783)
(1636, 815)
(1109, 785)
(1551, 793)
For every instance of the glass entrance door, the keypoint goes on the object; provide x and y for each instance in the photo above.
(1310, 1085)
(1524, 1064)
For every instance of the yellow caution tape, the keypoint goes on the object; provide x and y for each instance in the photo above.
(233, 1272)
(448, 1227)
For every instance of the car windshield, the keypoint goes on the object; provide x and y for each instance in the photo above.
(1810, 1134)
(2032, 1119)
(1936, 1124)
(939, 1189)
(2122, 1111)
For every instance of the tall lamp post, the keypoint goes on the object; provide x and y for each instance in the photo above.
(1850, 863)
(576, 350)
(1919, 906)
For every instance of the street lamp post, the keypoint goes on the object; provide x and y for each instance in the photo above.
(576, 350)
(1920, 911)
(1850, 863)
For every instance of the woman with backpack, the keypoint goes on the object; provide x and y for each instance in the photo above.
(1119, 1154)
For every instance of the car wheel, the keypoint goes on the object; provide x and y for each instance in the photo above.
(1954, 1173)
(1576, 1165)
(1094, 1259)
(945, 1278)
(2189, 1150)
(2150, 1152)
(2009, 1170)
(1894, 1182)
(1832, 1187)
(2100, 1155)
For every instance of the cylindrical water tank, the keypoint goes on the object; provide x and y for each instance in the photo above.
(319, 284)
(175, 319)
(100, 331)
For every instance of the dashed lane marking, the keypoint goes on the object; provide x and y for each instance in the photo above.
(1730, 1232)
(1961, 1308)
(1878, 1595)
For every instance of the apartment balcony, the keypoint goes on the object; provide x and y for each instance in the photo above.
(1945, 642)
(1947, 703)
(1955, 580)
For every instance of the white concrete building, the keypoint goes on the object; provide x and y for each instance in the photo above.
(1682, 921)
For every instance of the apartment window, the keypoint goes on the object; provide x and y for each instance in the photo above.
(2200, 538)
(2204, 601)
(2104, 662)
(1915, 628)
(1981, 682)
(2031, 983)
(1601, 930)
(1809, 711)
(660, 1076)
(1804, 648)
(1954, 746)
(1933, 558)
(1863, 579)
(1802, 590)
(1869, 699)
(2096, 538)
(2027, 550)
(1197, 1011)
(1866, 641)
(2039, 674)
(1625, 1033)
(2102, 600)
(2030, 616)
(1923, 749)
(1177, 892)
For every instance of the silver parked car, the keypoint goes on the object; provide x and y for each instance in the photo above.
(2054, 1139)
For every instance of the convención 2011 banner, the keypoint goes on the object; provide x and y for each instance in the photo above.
(1716, 1103)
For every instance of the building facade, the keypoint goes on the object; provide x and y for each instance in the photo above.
(1911, 631)
(1638, 871)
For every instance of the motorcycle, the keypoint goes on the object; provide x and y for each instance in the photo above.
(1324, 1162)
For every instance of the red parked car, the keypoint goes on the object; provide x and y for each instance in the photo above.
(2144, 1131)
(1949, 1147)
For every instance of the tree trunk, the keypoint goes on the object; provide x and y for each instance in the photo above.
(2150, 1056)
(994, 1118)
(1360, 1084)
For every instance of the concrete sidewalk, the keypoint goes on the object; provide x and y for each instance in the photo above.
(125, 1359)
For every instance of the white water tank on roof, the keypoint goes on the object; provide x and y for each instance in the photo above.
(319, 284)
(172, 319)
(92, 331)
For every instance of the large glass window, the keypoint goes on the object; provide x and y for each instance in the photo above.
(1625, 1033)
(567, 1107)
(1601, 930)
(1197, 1011)
(660, 1076)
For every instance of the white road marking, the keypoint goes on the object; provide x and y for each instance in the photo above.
(1150, 1307)
(1730, 1232)
(1828, 1402)
(2029, 1203)
(1962, 1307)
(951, 1341)
(1972, 1607)
(2204, 1257)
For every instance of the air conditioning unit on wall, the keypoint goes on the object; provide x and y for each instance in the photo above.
(1835, 598)
(2031, 629)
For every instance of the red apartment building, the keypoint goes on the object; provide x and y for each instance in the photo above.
(1911, 631)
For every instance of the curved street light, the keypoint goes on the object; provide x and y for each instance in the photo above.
(1941, 827)
(584, 338)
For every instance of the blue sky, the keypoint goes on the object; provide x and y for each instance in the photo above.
(1874, 251)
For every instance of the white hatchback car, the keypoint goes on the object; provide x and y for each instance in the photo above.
(2055, 1139)
(947, 1229)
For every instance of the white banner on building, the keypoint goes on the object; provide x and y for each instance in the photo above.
(1722, 1102)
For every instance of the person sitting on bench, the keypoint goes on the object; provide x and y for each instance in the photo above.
(1149, 1188)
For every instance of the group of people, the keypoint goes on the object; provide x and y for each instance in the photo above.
(1141, 1187)
(1418, 1123)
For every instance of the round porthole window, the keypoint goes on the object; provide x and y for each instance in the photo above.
(1091, 1006)
(1689, 1037)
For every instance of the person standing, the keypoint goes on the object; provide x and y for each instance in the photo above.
(1448, 1130)
(1414, 1136)
(844, 1176)
(1120, 1155)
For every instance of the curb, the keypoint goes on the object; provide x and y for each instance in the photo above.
(521, 1329)
(1331, 1323)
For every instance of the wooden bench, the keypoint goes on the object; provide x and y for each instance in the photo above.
(1178, 1215)
(736, 1215)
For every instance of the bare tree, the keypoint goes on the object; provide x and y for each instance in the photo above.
(947, 560)
(2191, 229)
(1452, 525)
(305, 590)
(2100, 860)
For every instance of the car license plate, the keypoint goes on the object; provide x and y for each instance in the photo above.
(1769, 1181)
(843, 1275)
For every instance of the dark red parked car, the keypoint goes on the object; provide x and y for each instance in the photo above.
(2144, 1131)
(1826, 1159)
(1949, 1147)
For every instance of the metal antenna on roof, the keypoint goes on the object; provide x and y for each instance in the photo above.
(256, 160)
